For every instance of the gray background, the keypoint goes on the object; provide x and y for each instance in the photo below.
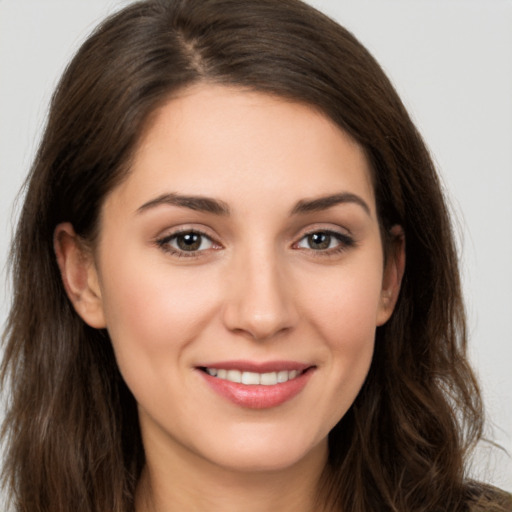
(451, 61)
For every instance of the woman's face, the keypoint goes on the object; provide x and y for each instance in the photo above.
(243, 246)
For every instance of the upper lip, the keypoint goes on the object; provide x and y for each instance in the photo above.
(257, 367)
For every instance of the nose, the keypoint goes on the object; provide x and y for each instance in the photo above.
(259, 300)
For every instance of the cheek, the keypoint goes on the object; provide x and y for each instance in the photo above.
(344, 303)
(153, 310)
(342, 311)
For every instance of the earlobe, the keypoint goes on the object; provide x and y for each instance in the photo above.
(393, 273)
(79, 275)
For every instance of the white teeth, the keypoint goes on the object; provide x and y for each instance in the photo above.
(253, 378)
(282, 376)
(250, 378)
(268, 379)
(234, 376)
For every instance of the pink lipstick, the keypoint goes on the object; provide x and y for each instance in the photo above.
(257, 385)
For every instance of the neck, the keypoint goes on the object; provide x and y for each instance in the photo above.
(185, 482)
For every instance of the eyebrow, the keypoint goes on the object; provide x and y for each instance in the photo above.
(217, 207)
(199, 203)
(325, 202)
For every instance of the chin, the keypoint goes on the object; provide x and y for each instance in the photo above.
(264, 452)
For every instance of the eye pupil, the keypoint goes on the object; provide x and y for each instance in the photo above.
(189, 241)
(319, 240)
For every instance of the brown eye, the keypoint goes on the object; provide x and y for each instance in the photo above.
(186, 242)
(189, 241)
(325, 241)
(319, 241)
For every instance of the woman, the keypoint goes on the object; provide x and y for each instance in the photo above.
(229, 294)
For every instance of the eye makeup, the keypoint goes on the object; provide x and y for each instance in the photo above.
(325, 242)
(187, 243)
(190, 242)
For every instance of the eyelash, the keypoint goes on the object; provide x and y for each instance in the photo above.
(164, 243)
(344, 242)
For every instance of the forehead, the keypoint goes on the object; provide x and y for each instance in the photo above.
(226, 142)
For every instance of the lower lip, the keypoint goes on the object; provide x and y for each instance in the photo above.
(258, 396)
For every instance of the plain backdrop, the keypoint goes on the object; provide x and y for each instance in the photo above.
(451, 61)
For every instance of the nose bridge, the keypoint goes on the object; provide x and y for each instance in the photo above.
(259, 299)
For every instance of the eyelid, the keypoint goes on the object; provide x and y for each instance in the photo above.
(324, 227)
(343, 235)
(163, 241)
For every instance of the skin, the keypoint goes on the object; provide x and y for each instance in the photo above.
(257, 289)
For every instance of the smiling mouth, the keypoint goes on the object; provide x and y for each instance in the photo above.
(257, 385)
(254, 378)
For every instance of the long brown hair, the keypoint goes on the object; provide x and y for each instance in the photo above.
(71, 427)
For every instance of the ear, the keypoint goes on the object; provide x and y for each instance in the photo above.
(393, 272)
(79, 275)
